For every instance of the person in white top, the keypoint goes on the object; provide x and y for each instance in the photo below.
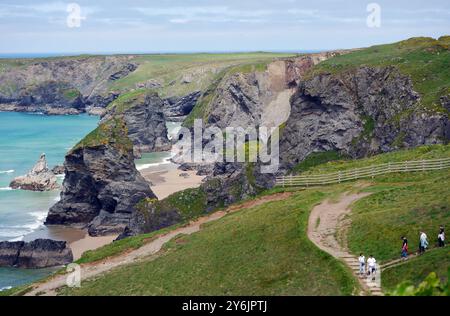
(423, 242)
(441, 237)
(362, 264)
(372, 265)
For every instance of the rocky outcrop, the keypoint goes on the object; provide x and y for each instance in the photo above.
(40, 178)
(228, 183)
(101, 186)
(359, 112)
(261, 98)
(146, 124)
(40, 253)
(61, 85)
(58, 170)
(176, 107)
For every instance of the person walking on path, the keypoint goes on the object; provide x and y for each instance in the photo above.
(423, 243)
(372, 265)
(441, 237)
(405, 248)
(362, 264)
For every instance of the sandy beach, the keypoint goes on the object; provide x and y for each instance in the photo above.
(166, 179)
(78, 239)
(89, 243)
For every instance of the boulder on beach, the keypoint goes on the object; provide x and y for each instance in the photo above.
(40, 178)
(39, 253)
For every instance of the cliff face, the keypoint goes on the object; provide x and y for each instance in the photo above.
(62, 85)
(254, 97)
(101, 186)
(359, 112)
(145, 121)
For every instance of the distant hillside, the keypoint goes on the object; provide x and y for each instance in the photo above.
(61, 85)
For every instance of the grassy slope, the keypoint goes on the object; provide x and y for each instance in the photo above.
(401, 204)
(416, 270)
(426, 60)
(259, 251)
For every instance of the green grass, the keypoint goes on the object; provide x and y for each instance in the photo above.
(414, 271)
(425, 60)
(418, 153)
(128, 100)
(189, 203)
(400, 206)
(113, 132)
(259, 251)
(71, 94)
(316, 159)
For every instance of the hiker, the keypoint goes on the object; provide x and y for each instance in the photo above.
(404, 248)
(362, 264)
(441, 237)
(372, 265)
(423, 243)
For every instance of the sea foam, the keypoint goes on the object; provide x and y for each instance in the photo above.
(6, 171)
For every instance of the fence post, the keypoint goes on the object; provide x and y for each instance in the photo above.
(339, 177)
(423, 165)
(290, 181)
(372, 173)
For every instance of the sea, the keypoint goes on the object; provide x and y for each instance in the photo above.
(23, 138)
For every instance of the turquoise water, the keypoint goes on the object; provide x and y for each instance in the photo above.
(23, 137)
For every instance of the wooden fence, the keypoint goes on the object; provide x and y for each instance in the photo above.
(365, 172)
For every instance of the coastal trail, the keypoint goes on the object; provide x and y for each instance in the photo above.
(149, 251)
(327, 223)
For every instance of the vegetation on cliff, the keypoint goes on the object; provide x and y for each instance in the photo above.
(425, 60)
(113, 132)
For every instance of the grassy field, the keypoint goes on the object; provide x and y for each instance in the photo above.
(311, 165)
(401, 204)
(424, 59)
(259, 251)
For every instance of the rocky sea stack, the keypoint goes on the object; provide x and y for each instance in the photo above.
(143, 114)
(40, 178)
(101, 185)
(40, 253)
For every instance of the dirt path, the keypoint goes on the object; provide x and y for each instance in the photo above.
(150, 249)
(325, 223)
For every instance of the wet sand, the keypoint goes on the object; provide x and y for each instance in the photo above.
(167, 179)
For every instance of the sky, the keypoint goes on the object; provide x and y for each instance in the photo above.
(79, 26)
